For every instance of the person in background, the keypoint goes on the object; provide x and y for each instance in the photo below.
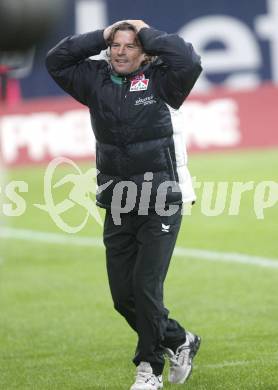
(133, 100)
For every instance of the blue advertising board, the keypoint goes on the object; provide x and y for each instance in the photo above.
(238, 41)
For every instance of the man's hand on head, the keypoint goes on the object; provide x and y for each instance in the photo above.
(108, 30)
(138, 24)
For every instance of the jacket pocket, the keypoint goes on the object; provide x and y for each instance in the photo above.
(171, 165)
(97, 156)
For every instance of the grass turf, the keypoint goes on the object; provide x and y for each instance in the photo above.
(57, 326)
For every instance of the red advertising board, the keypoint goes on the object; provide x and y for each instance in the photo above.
(37, 131)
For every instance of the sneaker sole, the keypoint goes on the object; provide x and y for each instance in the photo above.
(193, 352)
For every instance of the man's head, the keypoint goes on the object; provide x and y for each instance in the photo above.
(126, 52)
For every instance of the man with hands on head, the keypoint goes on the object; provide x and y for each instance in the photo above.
(134, 100)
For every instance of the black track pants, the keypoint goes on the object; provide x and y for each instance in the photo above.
(138, 254)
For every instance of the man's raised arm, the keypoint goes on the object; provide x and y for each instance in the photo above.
(69, 65)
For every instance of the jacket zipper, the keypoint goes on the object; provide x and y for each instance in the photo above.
(122, 110)
(123, 95)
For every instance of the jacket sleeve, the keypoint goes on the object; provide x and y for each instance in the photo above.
(69, 65)
(180, 65)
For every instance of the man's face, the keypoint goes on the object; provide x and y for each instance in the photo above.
(125, 55)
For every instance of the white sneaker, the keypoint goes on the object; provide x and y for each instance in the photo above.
(181, 361)
(145, 379)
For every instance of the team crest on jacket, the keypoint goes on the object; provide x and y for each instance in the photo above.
(139, 83)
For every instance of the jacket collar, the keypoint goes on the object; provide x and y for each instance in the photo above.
(128, 76)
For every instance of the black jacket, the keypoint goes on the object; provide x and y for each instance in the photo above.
(137, 130)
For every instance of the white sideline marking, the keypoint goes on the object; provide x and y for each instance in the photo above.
(228, 364)
(201, 254)
(227, 257)
(49, 238)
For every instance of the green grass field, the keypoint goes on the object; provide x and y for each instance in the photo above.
(58, 329)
